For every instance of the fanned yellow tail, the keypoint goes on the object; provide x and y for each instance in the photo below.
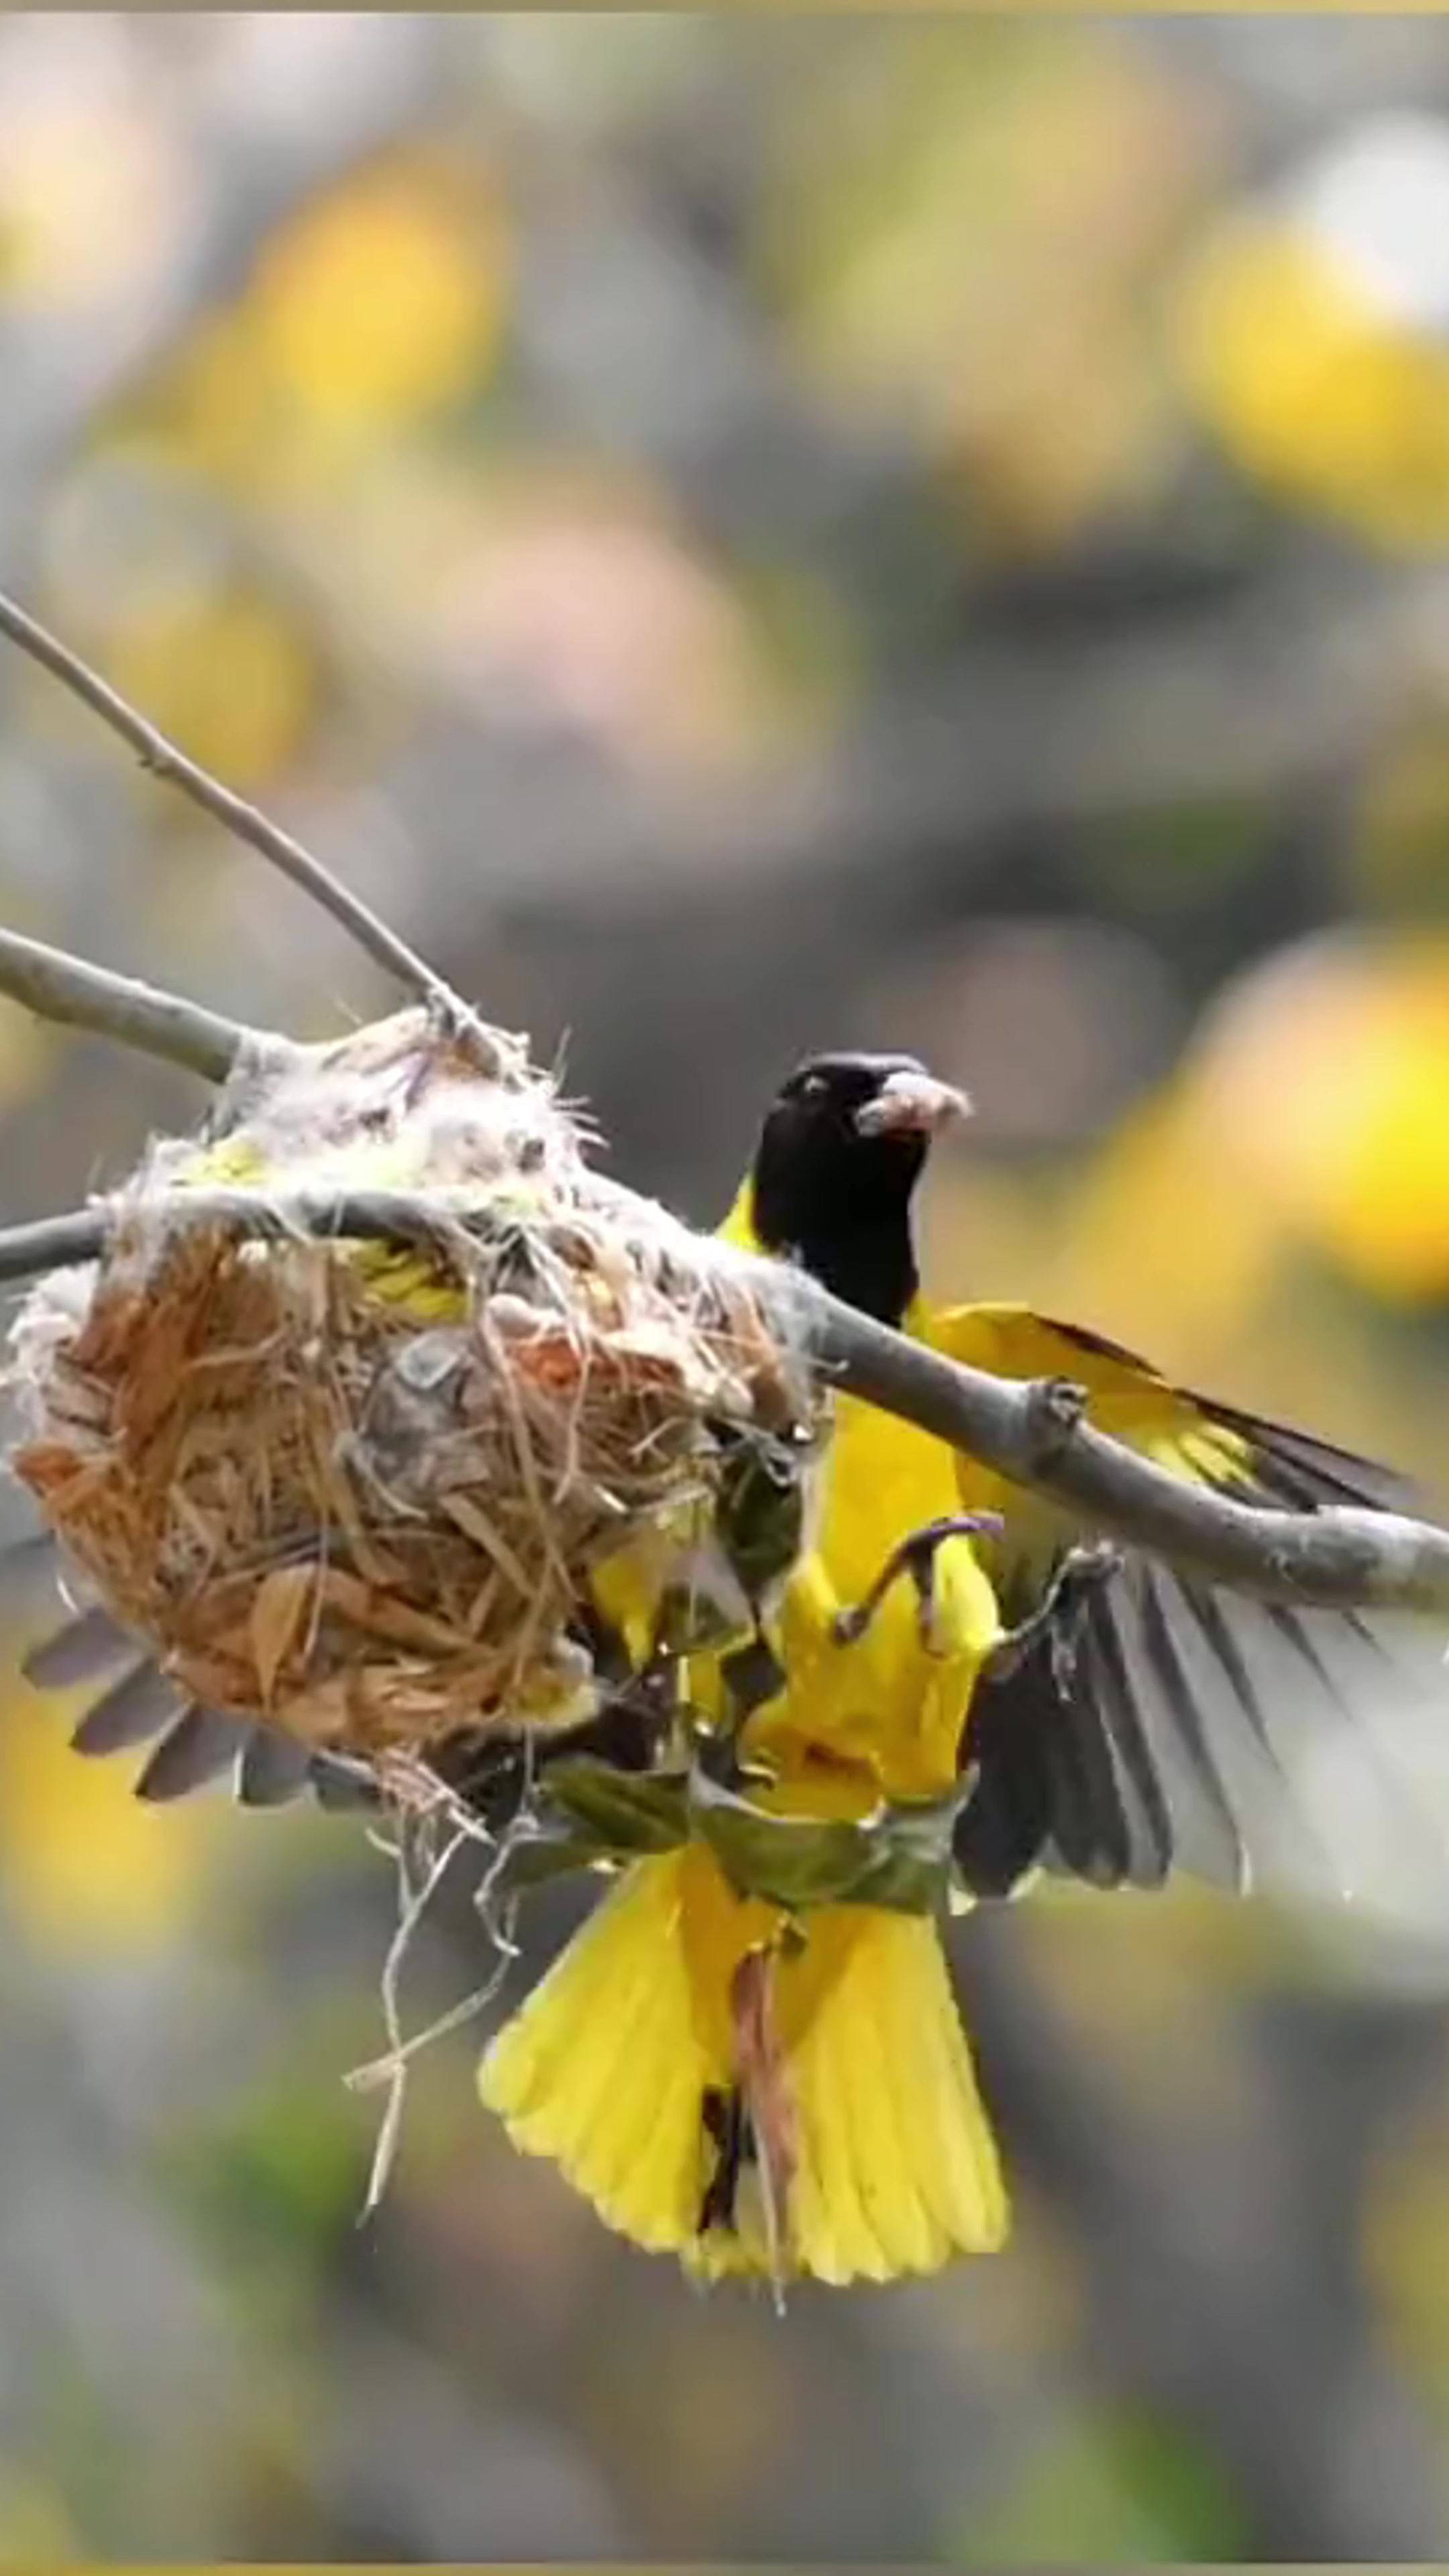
(624, 2063)
(602, 2069)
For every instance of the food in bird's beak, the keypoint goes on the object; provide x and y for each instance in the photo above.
(911, 1104)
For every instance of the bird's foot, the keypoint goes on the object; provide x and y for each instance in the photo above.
(1058, 1614)
(915, 1556)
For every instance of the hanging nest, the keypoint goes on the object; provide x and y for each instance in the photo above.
(363, 1489)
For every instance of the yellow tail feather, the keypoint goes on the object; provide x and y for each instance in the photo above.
(607, 2066)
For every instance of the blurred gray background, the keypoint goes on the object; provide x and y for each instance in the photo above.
(739, 535)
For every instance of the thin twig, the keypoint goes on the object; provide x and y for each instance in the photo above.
(1031, 1431)
(60, 987)
(247, 822)
(52, 1243)
(386, 1216)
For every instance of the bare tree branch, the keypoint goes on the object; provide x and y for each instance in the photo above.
(383, 1216)
(1031, 1431)
(52, 1243)
(245, 821)
(57, 986)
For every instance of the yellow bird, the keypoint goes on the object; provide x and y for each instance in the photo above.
(760, 2082)
(1156, 1721)
(1125, 1724)
(781, 2089)
(773, 2089)
(771, 2079)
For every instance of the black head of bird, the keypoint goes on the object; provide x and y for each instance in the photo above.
(840, 1152)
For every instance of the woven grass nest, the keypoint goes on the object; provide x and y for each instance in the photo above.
(360, 1489)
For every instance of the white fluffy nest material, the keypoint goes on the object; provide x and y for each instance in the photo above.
(358, 1488)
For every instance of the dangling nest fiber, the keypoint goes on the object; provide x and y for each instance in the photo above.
(360, 1489)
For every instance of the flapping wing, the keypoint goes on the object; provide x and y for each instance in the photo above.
(1194, 1727)
(134, 1704)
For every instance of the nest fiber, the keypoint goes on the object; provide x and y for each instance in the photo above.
(360, 1488)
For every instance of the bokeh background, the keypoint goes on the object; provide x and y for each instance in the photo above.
(742, 535)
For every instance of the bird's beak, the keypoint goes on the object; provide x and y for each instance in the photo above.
(911, 1104)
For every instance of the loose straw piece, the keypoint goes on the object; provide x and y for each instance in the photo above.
(391, 2069)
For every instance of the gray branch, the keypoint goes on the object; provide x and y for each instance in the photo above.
(59, 987)
(1031, 1431)
(246, 822)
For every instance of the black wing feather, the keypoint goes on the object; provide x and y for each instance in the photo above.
(140, 1704)
(202, 1743)
(1007, 1820)
(341, 1786)
(1104, 1678)
(132, 1712)
(1306, 1472)
(274, 1768)
(84, 1650)
(1175, 1742)
(1089, 1827)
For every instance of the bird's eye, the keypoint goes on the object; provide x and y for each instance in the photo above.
(814, 1087)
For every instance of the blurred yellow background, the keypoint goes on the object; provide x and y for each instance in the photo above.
(742, 535)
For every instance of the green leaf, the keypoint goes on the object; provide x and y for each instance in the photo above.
(899, 1857)
(621, 1814)
(588, 1811)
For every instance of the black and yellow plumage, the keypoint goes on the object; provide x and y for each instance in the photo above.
(1162, 1725)
(632, 2065)
(772, 2087)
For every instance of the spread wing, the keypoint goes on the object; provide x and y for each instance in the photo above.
(1200, 1729)
(133, 1703)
